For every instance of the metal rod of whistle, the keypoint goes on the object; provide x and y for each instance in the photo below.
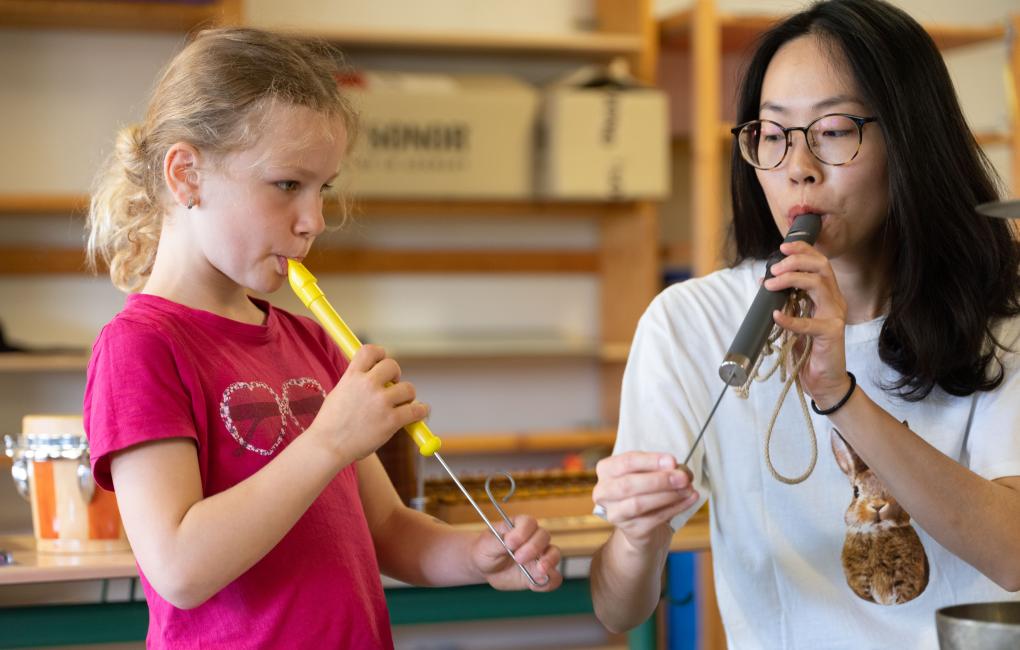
(488, 523)
(304, 284)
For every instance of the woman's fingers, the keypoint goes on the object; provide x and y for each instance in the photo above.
(649, 521)
(816, 327)
(640, 483)
(633, 461)
(641, 505)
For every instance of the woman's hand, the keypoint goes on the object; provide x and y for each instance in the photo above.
(641, 492)
(531, 547)
(367, 406)
(824, 375)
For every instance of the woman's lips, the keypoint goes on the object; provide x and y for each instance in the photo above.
(796, 211)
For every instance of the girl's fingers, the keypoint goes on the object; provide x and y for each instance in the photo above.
(405, 414)
(533, 547)
(548, 567)
(386, 370)
(524, 528)
(366, 358)
(400, 393)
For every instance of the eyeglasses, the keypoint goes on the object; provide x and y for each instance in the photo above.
(834, 139)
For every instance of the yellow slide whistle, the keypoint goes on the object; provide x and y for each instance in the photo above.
(304, 285)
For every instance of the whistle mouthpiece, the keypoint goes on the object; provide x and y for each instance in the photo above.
(804, 228)
(302, 282)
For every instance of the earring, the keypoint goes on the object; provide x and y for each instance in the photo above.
(191, 202)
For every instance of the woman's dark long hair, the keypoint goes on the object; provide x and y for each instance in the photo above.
(954, 273)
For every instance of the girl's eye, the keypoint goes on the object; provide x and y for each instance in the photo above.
(857, 492)
(326, 188)
(287, 186)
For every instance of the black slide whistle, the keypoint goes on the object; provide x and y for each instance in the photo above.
(750, 338)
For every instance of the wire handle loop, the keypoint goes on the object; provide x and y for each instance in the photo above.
(506, 497)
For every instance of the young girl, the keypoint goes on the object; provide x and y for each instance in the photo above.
(846, 111)
(239, 441)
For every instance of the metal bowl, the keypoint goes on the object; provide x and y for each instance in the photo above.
(979, 626)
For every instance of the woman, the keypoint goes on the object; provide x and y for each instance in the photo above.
(846, 111)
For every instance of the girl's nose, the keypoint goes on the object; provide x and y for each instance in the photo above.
(311, 222)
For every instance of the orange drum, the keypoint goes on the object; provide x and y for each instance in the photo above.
(70, 513)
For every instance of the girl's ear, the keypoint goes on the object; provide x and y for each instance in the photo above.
(180, 173)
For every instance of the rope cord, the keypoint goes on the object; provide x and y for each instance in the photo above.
(782, 343)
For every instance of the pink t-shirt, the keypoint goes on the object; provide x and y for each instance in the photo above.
(242, 393)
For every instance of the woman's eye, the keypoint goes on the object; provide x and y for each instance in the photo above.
(287, 186)
(835, 134)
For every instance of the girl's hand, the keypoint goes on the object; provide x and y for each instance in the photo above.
(530, 544)
(362, 412)
(641, 492)
(824, 375)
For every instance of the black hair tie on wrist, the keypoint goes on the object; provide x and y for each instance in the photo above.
(838, 405)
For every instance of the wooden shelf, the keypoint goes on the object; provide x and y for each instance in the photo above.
(534, 442)
(65, 261)
(580, 44)
(23, 362)
(453, 261)
(477, 209)
(479, 349)
(43, 204)
(116, 15)
(739, 31)
(77, 204)
(478, 345)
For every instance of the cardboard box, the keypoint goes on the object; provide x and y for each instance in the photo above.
(465, 136)
(604, 138)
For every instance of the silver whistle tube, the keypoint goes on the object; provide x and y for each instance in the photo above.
(750, 338)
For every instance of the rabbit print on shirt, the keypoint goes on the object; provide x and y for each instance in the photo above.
(883, 558)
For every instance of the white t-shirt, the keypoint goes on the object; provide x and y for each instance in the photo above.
(777, 547)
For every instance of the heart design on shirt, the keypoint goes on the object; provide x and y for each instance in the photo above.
(258, 417)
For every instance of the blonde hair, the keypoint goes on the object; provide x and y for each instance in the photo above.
(212, 96)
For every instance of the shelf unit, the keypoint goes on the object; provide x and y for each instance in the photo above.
(625, 261)
(118, 14)
(713, 40)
